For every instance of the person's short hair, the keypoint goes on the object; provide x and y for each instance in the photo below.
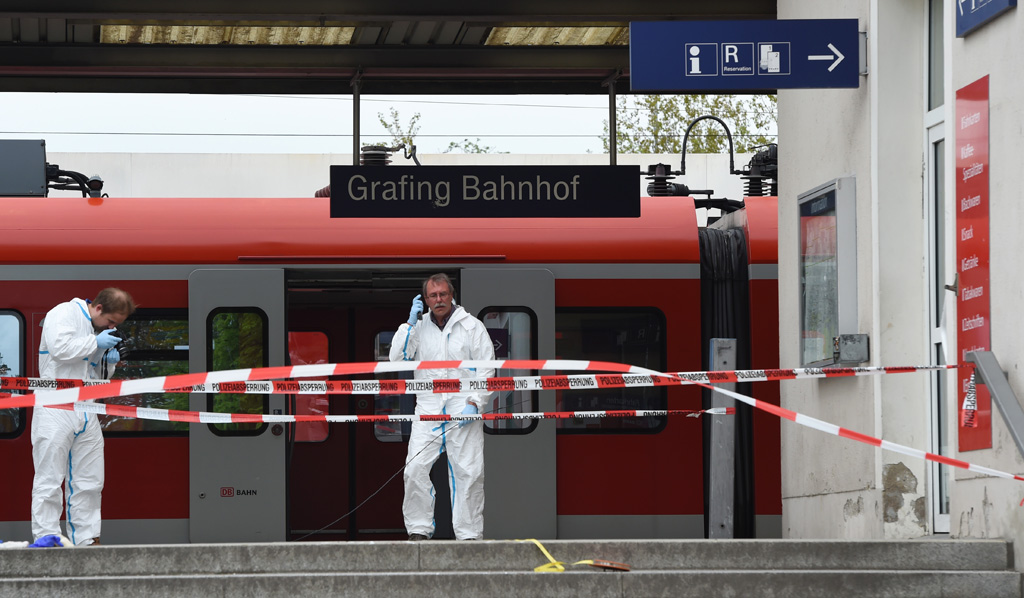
(436, 279)
(115, 301)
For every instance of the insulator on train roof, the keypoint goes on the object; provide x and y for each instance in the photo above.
(375, 155)
(762, 172)
(753, 186)
(378, 155)
(660, 174)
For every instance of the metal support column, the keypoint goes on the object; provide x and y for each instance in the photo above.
(612, 126)
(723, 447)
(357, 84)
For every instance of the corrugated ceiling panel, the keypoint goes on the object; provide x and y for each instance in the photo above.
(211, 35)
(558, 36)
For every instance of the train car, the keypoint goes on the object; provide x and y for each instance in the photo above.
(234, 283)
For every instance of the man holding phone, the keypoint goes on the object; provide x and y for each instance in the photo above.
(447, 332)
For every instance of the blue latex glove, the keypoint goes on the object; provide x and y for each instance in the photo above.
(106, 339)
(415, 310)
(47, 542)
(469, 409)
(113, 356)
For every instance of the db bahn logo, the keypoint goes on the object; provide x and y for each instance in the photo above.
(229, 492)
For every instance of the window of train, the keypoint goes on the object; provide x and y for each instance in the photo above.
(309, 348)
(156, 344)
(391, 404)
(238, 338)
(12, 364)
(634, 336)
(513, 331)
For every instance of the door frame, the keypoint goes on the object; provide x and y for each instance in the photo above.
(521, 485)
(237, 484)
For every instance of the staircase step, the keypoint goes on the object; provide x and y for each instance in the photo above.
(595, 584)
(507, 555)
(791, 568)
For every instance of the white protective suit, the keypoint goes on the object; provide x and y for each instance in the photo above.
(464, 337)
(68, 446)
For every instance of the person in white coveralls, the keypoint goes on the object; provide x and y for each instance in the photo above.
(78, 342)
(447, 332)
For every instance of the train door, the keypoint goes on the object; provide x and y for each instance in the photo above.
(236, 489)
(344, 479)
(518, 308)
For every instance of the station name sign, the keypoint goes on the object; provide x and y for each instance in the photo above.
(485, 192)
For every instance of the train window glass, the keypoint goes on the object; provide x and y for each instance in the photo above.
(12, 364)
(513, 331)
(238, 338)
(634, 336)
(309, 348)
(391, 404)
(156, 344)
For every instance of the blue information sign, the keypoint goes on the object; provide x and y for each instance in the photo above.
(743, 55)
(971, 14)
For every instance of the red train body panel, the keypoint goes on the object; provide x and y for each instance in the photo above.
(341, 280)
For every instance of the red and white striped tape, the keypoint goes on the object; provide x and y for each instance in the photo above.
(116, 388)
(164, 384)
(823, 426)
(206, 417)
(252, 385)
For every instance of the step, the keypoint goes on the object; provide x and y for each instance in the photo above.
(678, 568)
(596, 584)
(506, 555)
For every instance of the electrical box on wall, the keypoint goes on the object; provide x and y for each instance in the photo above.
(828, 269)
(851, 349)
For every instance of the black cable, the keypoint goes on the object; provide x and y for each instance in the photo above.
(388, 481)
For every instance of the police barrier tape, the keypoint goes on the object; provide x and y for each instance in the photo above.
(565, 382)
(164, 384)
(823, 426)
(207, 417)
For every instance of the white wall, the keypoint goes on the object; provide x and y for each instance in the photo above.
(831, 488)
(834, 488)
(982, 506)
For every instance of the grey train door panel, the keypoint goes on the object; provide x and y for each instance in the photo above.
(237, 476)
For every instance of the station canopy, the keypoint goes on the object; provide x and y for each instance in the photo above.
(333, 46)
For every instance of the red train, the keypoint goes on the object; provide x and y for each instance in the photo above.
(229, 283)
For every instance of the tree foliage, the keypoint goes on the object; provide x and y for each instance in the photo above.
(406, 134)
(470, 147)
(394, 127)
(656, 124)
(4, 368)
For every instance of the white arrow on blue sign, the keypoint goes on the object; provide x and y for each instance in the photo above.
(743, 55)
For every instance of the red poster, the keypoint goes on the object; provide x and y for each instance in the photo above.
(972, 252)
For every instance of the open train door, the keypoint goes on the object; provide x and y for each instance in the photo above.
(237, 477)
(518, 307)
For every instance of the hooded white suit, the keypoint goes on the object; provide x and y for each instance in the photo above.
(67, 447)
(464, 337)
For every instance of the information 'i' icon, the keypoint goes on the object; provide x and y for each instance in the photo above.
(694, 60)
